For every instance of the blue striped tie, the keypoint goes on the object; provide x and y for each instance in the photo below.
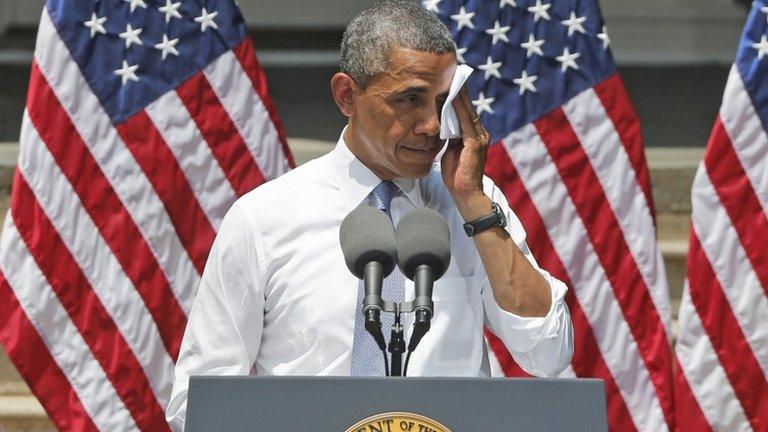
(367, 359)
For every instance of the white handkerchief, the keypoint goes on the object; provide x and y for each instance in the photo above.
(449, 122)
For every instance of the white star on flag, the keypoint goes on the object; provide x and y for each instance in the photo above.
(463, 18)
(539, 10)
(574, 24)
(460, 55)
(431, 5)
(127, 72)
(761, 47)
(96, 24)
(503, 3)
(168, 46)
(568, 60)
(135, 3)
(483, 104)
(604, 37)
(170, 10)
(131, 36)
(526, 82)
(206, 20)
(490, 68)
(498, 32)
(533, 46)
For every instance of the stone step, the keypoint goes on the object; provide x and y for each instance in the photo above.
(23, 413)
(672, 171)
(20, 411)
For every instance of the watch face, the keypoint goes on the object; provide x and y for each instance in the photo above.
(469, 229)
(502, 218)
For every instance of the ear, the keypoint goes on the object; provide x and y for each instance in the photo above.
(343, 88)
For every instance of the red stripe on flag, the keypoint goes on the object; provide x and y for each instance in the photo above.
(220, 133)
(587, 359)
(613, 95)
(508, 365)
(687, 410)
(164, 172)
(733, 351)
(84, 308)
(245, 55)
(105, 208)
(615, 256)
(31, 357)
(739, 199)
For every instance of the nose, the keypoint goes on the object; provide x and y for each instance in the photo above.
(428, 122)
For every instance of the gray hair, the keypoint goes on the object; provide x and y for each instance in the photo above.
(368, 39)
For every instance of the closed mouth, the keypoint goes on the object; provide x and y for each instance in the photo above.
(428, 150)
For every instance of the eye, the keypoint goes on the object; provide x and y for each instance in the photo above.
(412, 97)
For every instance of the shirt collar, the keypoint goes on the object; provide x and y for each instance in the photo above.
(356, 181)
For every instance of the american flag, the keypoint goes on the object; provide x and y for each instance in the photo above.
(722, 375)
(568, 155)
(144, 121)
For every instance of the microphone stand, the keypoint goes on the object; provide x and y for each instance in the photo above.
(396, 345)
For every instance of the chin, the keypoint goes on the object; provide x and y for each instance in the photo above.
(416, 171)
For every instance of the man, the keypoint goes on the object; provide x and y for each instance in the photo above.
(276, 297)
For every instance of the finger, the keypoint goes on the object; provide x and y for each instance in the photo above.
(455, 142)
(450, 155)
(462, 103)
(464, 95)
(466, 113)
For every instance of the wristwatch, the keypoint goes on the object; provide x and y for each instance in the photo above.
(494, 219)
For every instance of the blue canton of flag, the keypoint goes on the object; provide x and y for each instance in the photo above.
(530, 56)
(753, 46)
(133, 51)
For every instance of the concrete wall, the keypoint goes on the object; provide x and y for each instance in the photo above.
(673, 31)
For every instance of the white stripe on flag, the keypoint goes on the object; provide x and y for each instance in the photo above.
(61, 337)
(568, 372)
(747, 135)
(705, 374)
(209, 183)
(496, 370)
(244, 106)
(591, 287)
(721, 245)
(116, 161)
(602, 145)
(94, 257)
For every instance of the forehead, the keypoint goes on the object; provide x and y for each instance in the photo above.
(408, 67)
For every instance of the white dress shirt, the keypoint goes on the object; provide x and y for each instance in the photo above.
(276, 297)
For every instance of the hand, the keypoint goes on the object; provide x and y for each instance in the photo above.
(463, 163)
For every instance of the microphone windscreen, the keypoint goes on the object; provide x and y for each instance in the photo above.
(367, 235)
(423, 238)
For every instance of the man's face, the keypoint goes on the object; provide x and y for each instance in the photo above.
(396, 121)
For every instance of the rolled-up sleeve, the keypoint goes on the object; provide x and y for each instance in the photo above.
(542, 346)
(224, 328)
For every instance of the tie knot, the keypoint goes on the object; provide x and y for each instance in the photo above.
(382, 195)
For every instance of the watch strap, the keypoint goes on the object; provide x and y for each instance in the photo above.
(494, 219)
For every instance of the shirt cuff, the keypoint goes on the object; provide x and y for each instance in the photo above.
(522, 334)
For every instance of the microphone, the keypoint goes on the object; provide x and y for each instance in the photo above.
(368, 243)
(423, 255)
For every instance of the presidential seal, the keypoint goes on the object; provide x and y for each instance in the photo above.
(398, 422)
